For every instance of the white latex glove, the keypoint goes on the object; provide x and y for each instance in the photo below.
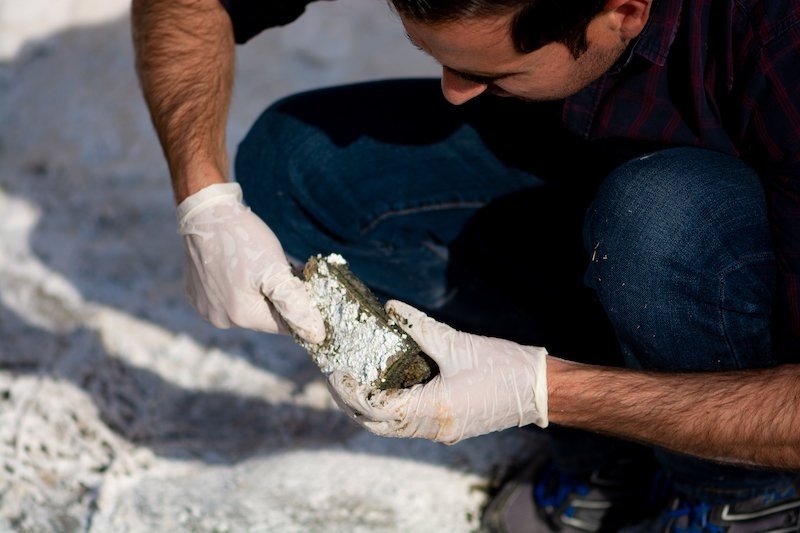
(237, 272)
(484, 385)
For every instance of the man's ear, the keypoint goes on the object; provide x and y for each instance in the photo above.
(630, 16)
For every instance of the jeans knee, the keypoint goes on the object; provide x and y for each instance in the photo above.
(294, 174)
(275, 143)
(682, 261)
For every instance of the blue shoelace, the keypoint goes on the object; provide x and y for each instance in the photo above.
(565, 486)
(554, 488)
(698, 518)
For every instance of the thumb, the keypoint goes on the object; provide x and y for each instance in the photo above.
(436, 339)
(289, 296)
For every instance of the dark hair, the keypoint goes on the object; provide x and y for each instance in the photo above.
(535, 23)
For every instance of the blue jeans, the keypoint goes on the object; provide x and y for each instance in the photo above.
(491, 218)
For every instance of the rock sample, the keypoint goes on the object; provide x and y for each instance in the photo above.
(361, 337)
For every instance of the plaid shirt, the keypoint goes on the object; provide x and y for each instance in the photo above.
(723, 75)
(718, 74)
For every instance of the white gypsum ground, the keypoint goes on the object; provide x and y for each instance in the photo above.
(121, 409)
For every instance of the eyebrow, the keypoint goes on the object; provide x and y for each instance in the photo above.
(480, 78)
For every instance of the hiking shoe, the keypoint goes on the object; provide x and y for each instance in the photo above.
(777, 512)
(541, 499)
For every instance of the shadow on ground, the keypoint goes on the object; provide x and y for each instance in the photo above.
(77, 144)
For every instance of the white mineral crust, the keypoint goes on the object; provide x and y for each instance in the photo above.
(356, 342)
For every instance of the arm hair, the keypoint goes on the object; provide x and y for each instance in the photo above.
(749, 417)
(185, 62)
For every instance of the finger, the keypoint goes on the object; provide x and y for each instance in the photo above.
(336, 388)
(413, 424)
(387, 429)
(267, 319)
(291, 300)
(354, 398)
(435, 338)
(253, 312)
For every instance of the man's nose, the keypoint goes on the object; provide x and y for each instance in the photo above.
(457, 90)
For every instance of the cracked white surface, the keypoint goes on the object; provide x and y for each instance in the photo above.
(355, 343)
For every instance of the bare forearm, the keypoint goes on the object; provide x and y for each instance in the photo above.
(748, 417)
(184, 58)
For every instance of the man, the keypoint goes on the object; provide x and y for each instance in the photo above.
(667, 131)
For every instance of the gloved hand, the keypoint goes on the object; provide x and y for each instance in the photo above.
(484, 385)
(238, 274)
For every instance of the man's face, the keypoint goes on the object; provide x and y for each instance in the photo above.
(477, 55)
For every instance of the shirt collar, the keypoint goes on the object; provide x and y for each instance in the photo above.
(656, 39)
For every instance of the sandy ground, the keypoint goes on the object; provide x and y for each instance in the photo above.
(121, 409)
